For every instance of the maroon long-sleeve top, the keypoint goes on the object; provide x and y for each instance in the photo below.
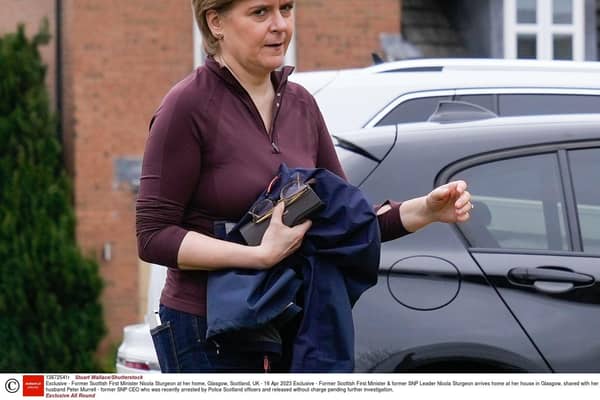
(209, 156)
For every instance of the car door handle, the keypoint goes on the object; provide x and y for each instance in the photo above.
(549, 279)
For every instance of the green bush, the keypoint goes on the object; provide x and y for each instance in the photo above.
(50, 315)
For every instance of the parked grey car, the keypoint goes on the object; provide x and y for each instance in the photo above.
(515, 288)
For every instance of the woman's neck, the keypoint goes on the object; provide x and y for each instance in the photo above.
(259, 88)
(255, 85)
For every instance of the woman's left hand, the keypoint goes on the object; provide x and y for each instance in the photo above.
(449, 203)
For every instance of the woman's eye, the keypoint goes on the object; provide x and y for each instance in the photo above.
(287, 8)
(261, 12)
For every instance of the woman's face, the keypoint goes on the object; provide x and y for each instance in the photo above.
(257, 33)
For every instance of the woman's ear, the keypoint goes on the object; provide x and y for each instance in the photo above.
(214, 22)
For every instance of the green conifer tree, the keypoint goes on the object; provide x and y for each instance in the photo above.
(50, 315)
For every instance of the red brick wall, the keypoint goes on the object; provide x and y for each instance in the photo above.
(31, 13)
(342, 33)
(120, 58)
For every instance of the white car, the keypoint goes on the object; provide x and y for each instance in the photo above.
(405, 92)
(136, 353)
(408, 91)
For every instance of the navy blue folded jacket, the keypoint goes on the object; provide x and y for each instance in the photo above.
(337, 262)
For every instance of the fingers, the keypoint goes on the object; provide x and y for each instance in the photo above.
(277, 215)
(467, 207)
(298, 233)
(463, 207)
(455, 188)
(463, 217)
(291, 238)
(463, 202)
(279, 240)
(303, 227)
(442, 199)
(295, 246)
(459, 186)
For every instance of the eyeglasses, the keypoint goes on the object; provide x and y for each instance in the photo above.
(289, 193)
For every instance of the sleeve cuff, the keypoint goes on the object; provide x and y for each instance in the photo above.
(390, 223)
(165, 246)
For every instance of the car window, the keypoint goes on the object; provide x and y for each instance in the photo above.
(539, 104)
(414, 110)
(584, 167)
(487, 101)
(518, 204)
(506, 105)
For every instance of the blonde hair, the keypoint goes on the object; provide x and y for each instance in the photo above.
(200, 8)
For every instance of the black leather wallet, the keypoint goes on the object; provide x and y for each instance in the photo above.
(294, 214)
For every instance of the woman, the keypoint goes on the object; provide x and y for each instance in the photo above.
(215, 141)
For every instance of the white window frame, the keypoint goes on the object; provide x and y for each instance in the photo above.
(544, 29)
(199, 54)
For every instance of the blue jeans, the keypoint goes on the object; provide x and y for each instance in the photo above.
(181, 346)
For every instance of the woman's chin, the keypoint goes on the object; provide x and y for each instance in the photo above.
(274, 57)
(272, 63)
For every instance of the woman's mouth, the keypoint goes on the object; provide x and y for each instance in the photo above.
(274, 45)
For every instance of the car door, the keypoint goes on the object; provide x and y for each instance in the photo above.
(535, 233)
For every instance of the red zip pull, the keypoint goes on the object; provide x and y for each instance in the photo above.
(266, 365)
(273, 181)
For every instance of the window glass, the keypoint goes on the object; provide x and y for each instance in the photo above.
(526, 11)
(415, 110)
(538, 104)
(526, 46)
(585, 165)
(538, 29)
(420, 109)
(562, 47)
(518, 204)
(562, 11)
(487, 101)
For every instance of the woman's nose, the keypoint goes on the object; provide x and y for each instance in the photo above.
(279, 22)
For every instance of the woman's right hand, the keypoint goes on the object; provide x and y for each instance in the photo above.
(279, 240)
